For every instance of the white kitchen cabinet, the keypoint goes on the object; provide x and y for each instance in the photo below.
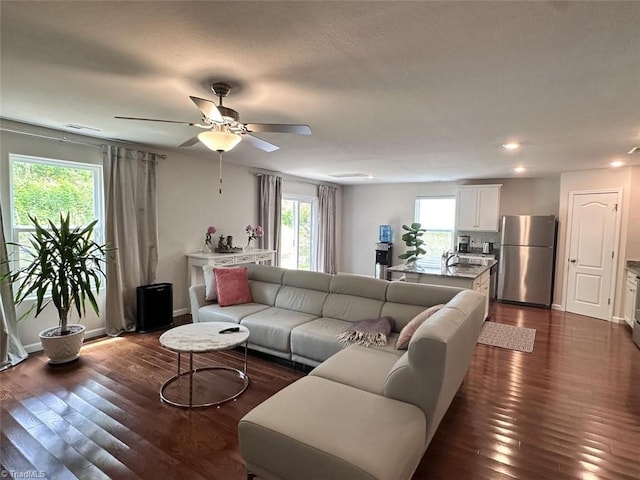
(482, 285)
(630, 298)
(478, 208)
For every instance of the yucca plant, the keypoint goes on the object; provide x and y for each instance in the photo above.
(65, 267)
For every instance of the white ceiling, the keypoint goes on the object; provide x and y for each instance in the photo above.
(404, 91)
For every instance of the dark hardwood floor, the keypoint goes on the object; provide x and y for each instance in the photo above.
(569, 410)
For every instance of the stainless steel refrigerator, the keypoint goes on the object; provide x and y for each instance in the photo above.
(527, 259)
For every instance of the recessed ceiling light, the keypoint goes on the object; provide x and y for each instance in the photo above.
(617, 163)
(519, 169)
(511, 146)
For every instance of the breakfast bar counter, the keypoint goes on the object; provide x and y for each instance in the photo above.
(461, 275)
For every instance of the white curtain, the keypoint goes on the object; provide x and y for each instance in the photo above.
(327, 228)
(131, 228)
(11, 349)
(269, 208)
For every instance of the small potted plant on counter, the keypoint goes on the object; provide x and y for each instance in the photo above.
(413, 241)
(65, 267)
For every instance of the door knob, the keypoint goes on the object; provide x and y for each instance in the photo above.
(572, 260)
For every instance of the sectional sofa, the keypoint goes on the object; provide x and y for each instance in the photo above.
(362, 413)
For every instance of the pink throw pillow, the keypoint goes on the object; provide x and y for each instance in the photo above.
(410, 328)
(232, 285)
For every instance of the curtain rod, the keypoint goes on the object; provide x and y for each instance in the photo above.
(63, 139)
(298, 180)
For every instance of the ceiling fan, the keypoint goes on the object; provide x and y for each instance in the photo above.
(223, 129)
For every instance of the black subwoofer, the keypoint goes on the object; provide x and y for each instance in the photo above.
(155, 307)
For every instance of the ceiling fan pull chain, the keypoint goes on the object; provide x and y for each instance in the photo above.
(220, 186)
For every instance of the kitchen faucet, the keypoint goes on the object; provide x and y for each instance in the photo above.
(448, 255)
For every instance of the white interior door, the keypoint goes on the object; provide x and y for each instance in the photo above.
(592, 243)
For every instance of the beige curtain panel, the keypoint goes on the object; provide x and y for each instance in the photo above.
(131, 228)
(11, 350)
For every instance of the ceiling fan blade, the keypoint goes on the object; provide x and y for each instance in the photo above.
(279, 128)
(190, 142)
(158, 120)
(259, 143)
(208, 109)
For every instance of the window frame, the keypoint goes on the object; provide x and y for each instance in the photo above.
(313, 264)
(435, 260)
(98, 195)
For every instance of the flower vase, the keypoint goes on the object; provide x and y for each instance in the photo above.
(248, 245)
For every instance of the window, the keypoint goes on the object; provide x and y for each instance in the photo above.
(298, 236)
(437, 215)
(45, 188)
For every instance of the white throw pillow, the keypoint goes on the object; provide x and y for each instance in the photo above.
(210, 291)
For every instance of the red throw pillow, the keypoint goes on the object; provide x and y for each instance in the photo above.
(232, 285)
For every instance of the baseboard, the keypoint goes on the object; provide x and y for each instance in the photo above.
(618, 320)
(97, 332)
(88, 334)
(557, 306)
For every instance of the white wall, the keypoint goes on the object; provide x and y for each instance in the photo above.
(365, 207)
(188, 202)
(628, 179)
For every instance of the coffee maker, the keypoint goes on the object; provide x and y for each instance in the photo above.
(463, 243)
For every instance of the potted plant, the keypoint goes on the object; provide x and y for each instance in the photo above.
(65, 267)
(413, 241)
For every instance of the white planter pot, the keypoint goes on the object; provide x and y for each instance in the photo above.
(62, 348)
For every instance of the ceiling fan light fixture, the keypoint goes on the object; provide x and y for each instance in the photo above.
(219, 140)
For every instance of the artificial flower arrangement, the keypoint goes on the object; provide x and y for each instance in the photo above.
(208, 245)
(253, 232)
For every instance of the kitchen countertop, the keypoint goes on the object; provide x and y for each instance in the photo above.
(634, 266)
(463, 270)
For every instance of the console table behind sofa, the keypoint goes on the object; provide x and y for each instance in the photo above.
(195, 261)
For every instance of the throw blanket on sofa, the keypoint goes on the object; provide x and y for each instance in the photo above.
(367, 332)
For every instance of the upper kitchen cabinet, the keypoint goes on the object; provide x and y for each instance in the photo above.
(478, 208)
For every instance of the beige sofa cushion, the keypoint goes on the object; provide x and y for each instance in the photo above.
(406, 300)
(234, 313)
(272, 327)
(316, 429)
(359, 285)
(303, 291)
(318, 339)
(360, 367)
(301, 300)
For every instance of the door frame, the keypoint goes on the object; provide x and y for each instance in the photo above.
(616, 244)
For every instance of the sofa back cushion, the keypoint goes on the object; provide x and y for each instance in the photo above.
(406, 300)
(303, 291)
(354, 297)
(438, 357)
(265, 282)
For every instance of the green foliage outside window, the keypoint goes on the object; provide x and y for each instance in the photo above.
(296, 224)
(44, 191)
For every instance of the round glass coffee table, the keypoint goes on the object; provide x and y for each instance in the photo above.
(204, 338)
